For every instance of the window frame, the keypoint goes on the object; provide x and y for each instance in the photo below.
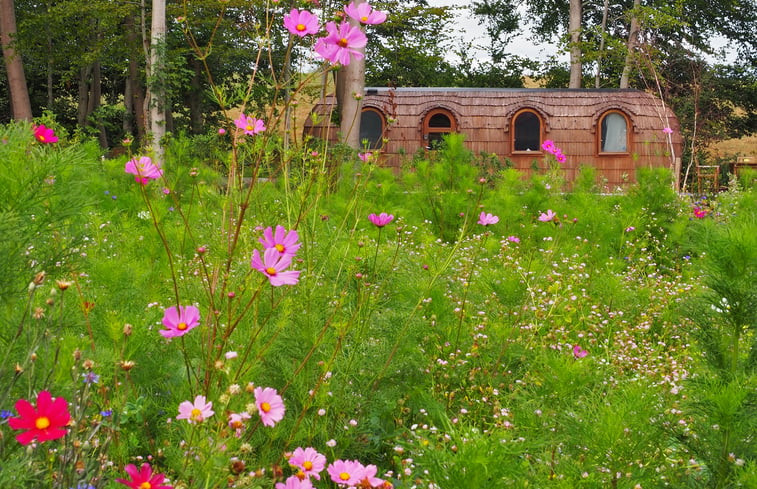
(542, 126)
(426, 131)
(383, 127)
(600, 121)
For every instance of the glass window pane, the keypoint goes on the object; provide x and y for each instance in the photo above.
(439, 120)
(614, 133)
(371, 129)
(527, 132)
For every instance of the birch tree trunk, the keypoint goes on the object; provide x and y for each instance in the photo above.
(352, 78)
(21, 107)
(157, 87)
(598, 76)
(633, 41)
(574, 28)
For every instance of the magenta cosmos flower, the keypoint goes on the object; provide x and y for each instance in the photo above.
(301, 22)
(143, 478)
(274, 266)
(341, 43)
(364, 13)
(143, 169)
(547, 216)
(285, 242)
(294, 482)
(46, 422)
(667, 130)
(196, 412)
(270, 405)
(179, 322)
(346, 472)
(365, 157)
(249, 125)
(309, 461)
(45, 135)
(579, 352)
(486, 219)
(381, 220)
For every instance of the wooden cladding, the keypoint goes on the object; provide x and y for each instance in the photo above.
(612, 130)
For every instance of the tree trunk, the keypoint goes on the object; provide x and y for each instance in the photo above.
(352, 96)
(597, 77)
(574, 28)
(83, 102)
(21, 107)
(95, 99)
(633, 41)
(155, 78)
(195, 98)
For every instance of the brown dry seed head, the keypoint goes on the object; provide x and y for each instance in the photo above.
(39, 278)
(127, 365)
(63, 284)
(127, 329)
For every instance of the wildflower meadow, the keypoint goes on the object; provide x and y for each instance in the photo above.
(254, 312)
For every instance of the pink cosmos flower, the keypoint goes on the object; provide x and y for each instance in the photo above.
(341, 42)
(196, 412)
(143, 169)
(486, 219)
(700, 213)
(548, 145)
(249, 125)
(143, 478)
(285, 242)
(513, 239)
(547, 216)
(365, 157)
(274, 266)
(47, 422)
(667, 130)
(364, 13)
(221, 131)
(294, 482)
(236, 422)
(45, 135)
(301, 22)
(560, 157)
(270, 405)
(346, 472)
(381, 220)
(179, 322)
(309, 461)
(579, 352)
(368, 478)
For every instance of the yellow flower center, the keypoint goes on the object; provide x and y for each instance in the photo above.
(42, 423)
(363, 18)
(307, 465)
(344, 476)
(41, 138)
(343, 42)
(270, 271)
(265, 407)
(181, 326)
(280, 248)
(145, 485)
(300, 27)
(196, 414)
(248, 128)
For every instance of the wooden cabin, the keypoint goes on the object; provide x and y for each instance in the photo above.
(613, 130)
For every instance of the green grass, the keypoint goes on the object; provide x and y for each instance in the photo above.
(437, 349)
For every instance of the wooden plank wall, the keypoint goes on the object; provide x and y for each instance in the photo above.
(571, 120)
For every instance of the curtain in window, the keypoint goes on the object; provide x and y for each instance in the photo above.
(614, 134)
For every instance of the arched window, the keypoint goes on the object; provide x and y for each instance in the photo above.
(436, 124)
(371, 128)
(526, 133)
(614, 133)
